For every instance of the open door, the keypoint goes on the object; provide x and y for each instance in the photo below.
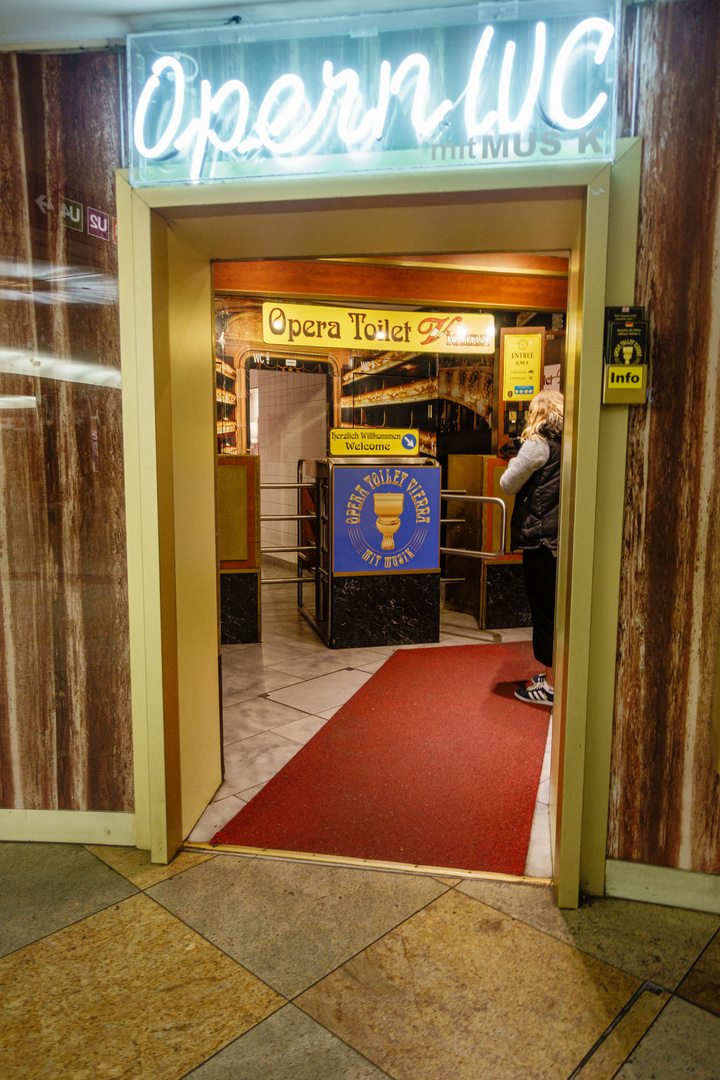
(167, 241)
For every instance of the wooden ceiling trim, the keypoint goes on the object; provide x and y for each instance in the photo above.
(355, 282)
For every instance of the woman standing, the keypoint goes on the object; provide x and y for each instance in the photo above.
(534, 478)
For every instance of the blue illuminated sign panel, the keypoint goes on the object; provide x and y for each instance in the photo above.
(440, 88)
(386, 519)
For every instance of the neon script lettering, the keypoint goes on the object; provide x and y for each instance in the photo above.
(287, 123)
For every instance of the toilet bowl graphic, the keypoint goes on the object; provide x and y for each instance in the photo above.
(388, 507)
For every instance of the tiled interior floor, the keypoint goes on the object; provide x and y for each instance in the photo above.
(277, 695)
(225, 967)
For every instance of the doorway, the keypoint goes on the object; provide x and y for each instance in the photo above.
(279, 694)
(167, 241)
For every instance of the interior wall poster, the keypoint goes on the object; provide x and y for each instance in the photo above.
(386, 519)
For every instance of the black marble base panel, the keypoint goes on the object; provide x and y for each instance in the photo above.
(389, 609)
(506, 602)
(239, 608)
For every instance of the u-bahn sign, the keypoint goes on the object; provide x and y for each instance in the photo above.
(438, 88)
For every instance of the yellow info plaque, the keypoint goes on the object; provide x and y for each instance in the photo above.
(522, 366)
(395, 442)
(625, 384)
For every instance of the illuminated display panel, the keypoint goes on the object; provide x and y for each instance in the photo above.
(426, 89)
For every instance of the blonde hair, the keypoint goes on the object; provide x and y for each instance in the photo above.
(544, 416)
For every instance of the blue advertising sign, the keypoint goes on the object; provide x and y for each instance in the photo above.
(453, 87)
(386, 519)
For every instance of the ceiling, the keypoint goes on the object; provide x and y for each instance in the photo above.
(101, 22)
(98, 23)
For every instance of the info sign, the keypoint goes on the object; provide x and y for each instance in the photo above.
(626, 357)
(441, 88)
(386, 519)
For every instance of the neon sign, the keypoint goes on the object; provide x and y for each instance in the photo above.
(322, 98)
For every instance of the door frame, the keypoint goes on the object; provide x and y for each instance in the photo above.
(167, 240)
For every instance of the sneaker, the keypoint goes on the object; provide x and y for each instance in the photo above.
(536, 694)
(539, 678)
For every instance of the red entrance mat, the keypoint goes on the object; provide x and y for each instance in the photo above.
(433, 762)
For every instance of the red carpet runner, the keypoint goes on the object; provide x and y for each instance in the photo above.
(433, 762)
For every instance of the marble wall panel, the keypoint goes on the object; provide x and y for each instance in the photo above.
(665, 794)
(384, 609)
(65, 731)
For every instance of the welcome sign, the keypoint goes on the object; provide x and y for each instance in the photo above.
(437, 88)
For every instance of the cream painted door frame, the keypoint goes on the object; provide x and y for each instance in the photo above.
(168, 238)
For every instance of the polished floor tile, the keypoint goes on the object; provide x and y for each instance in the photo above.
(216, 815)
(254, 761)
(362, 657)
(291, 923)
(44, 887)
(135, 865)
(538, 862)
(310, 667)
(288, 1046)
(461, 990)
(683, 1044)
(130, 993)
(251, 717)
(241, 686)
(646, 940)
(702, 984)
(326, 692)
(301, 730)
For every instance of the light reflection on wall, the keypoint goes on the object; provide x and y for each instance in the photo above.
(36, 365)
(53, 284)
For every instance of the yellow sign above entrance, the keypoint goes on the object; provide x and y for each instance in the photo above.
(522, 366)
(382, 442)
(369, 328)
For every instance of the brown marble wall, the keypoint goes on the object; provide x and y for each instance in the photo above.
(665, 796)
(65, 732)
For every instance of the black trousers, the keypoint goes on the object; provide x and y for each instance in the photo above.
(540, 573)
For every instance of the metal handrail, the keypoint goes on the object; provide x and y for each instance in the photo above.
(288, 517)
(301, 485)
(458, 497)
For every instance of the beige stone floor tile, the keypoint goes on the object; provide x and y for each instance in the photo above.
(461, 990)
(127, 993)
(135, 865)
(646, 940)
(624, 1038)
(290, 922)
(288, 1046)
(683, 1044)
(702, 983)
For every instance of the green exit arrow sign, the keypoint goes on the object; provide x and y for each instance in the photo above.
(72, 214)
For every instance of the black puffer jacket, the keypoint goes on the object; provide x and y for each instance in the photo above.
(534, 521)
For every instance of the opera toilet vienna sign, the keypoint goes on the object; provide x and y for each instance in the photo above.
(432, 89)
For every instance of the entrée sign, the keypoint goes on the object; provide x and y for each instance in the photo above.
(226, 104)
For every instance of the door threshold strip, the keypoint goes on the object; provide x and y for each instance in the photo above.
(365, 864)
